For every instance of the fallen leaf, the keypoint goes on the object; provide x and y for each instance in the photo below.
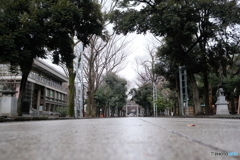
(190, 125)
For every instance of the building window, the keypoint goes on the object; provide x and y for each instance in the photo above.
(56, 95)
(1, 88)
(47, 92)
(51, 94)
(59, 96)
(47, 107)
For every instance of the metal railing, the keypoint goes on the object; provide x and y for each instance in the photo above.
(47, 82)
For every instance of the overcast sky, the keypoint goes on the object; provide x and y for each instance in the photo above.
(138, 46)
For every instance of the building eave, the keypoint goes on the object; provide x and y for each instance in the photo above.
(49, 70)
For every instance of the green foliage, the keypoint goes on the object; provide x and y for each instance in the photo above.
(102, 95)
(230, 82)
(167, 68)
(28, 27)
(31, 28)
(199, 34)
(186, 25)
(22, 34)
(143, 95)
(112, 92)
(231, 85)
(73, 18)
(165, 99)
(62, 111)
(161, 104)
(223, 56)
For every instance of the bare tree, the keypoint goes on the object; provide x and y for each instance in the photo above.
(9, 79)
(105, 54)
(102, 57)
(144, 68)
(71, 73)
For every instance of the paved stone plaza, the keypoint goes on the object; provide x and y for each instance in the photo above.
(121, 139)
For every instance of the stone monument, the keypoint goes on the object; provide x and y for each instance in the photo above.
(8, 104)
(222, 104)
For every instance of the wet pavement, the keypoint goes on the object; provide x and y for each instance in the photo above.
(129, 138)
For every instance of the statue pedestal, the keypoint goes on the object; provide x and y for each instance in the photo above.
(222, 106)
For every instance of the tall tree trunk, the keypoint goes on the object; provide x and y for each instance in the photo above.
(148, 111)
(104, 111)
(175, 106)
(203, 46)
(195, 91)
(89, 103)
(112, 111)
(232, 103)
(178, 107)
(91, 109)
(25, 69)
(71, 91)
(210, 99)
(206, 91)
(145, 111)
(98, 111)
(21, 93)
(119, 115)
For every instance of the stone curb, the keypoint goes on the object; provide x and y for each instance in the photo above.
(210, 116)
(16, 119)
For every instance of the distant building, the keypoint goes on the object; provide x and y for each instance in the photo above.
(46, 87)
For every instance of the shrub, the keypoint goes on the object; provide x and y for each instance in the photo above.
(62, 111)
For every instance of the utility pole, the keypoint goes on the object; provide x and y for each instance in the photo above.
(79, 84)
(183, 91)
(154, 99)
(154, 90)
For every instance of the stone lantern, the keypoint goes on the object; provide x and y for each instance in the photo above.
(222, 104)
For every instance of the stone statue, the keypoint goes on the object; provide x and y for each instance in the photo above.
(221, 92)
